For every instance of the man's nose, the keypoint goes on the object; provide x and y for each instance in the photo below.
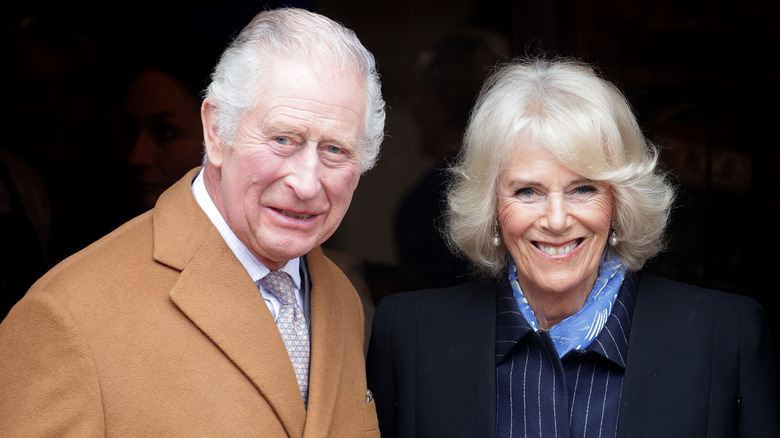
(305, 175)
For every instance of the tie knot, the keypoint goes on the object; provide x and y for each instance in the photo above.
(280, 284)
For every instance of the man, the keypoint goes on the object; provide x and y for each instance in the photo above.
(166, 326)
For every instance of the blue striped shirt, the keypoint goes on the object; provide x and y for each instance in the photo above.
(542, 395)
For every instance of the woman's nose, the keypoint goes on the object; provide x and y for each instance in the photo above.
(142, 151)
(557, 212)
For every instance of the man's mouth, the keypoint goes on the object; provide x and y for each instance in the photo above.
(294, 215)
(558, 250)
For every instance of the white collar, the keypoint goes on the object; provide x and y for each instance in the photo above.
(254, 267)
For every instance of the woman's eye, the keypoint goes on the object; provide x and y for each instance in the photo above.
(525, 192)
(164, 132)
(585, 190)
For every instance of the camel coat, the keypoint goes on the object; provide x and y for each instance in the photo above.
(156, 330)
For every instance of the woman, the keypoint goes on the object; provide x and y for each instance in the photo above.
(162, 107)
(557, 199)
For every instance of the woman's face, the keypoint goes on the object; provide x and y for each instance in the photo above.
(166, 133)
(554, 222)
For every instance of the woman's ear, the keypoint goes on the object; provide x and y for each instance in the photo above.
(215, 147)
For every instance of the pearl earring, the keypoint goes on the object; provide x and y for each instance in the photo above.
(613, 238)
(496, 241)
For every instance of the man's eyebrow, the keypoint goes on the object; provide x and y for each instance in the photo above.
(278, 126)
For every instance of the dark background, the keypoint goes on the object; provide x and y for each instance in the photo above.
(702, 76)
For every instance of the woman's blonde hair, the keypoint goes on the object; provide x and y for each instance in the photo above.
(588, 125)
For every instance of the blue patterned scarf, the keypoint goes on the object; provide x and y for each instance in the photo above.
(578, 331)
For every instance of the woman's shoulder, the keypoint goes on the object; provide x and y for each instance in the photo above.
(674, 290)
(688, 303)
(472, 297)
(433, 319)
(470, 290)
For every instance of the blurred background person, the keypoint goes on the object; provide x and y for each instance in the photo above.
(558, 200)
(24, 228)
(162, 113)
(65, 124)
(449, 76)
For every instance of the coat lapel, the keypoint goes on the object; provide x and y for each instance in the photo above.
(218, 296)
(327, 344)
(670, 344)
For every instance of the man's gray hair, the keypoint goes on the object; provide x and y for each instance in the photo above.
(297, 34)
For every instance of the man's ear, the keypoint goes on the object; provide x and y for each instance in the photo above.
(215, 147)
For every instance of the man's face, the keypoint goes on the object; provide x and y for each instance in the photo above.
(287, 182)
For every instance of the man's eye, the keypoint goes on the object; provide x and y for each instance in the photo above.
(333, 149)
(282, 140)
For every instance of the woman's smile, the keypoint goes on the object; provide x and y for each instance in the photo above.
(558, 249)
(554, 222)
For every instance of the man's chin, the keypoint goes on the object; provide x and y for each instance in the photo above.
(288, 249)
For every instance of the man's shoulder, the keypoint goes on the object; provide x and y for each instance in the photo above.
(123, 246)
(173, 221)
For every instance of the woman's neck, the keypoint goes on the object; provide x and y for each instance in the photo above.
(552, 307)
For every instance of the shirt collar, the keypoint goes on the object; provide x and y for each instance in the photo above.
(578, 331)
(254, 267)
(611, 342)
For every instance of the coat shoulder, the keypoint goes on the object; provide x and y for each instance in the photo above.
(467, 297)
(675, 296)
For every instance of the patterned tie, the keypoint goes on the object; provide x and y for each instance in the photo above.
(292, 326)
